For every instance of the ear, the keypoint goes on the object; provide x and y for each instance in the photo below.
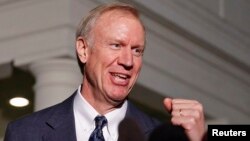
(81, 49)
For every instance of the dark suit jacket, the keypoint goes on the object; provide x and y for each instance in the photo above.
(57, 123)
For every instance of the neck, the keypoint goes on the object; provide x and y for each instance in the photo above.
(98, 101)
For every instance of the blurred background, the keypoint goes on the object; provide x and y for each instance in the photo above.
(195, 49)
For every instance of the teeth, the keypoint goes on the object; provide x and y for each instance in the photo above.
(120, 75)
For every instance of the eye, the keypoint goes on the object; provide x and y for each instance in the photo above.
(137, 51)
(115, 46)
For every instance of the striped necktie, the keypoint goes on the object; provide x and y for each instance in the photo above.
(97, 135)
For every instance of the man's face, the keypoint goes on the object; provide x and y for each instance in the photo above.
(115, 58)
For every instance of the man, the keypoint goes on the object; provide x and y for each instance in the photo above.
(110, 43)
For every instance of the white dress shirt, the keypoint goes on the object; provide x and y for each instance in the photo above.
(85, 114)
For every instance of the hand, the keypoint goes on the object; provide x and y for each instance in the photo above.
(188, 114)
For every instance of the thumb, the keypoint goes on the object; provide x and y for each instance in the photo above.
(168, 104)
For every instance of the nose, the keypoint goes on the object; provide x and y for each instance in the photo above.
(126, 58)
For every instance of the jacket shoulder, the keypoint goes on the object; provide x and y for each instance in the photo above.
(37, 123)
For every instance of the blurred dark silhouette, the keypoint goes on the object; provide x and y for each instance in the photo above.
(168, 132)
(130, 131)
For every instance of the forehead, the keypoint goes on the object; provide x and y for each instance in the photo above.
(120, 26)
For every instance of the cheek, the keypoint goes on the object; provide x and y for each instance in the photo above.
(136, 71)
(138, 65)
(107, 60)
(99, 60)
(104, 63)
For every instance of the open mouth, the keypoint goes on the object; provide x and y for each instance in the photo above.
(120, 79)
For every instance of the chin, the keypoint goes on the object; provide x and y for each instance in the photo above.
(118, 102)
(119, 97)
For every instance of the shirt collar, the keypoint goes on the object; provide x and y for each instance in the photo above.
(83, 109)
(88, 113)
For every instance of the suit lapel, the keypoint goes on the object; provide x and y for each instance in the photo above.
(61, 123)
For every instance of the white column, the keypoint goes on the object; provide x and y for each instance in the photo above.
(56, 79)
